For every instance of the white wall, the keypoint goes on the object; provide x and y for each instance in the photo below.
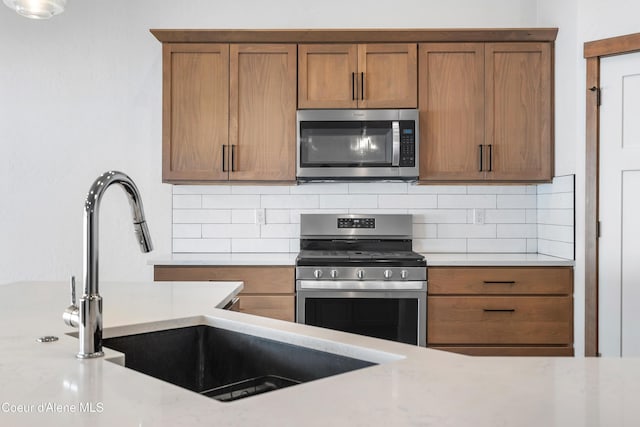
(579, 21)
(81, 94)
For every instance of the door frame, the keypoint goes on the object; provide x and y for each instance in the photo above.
(593, 52)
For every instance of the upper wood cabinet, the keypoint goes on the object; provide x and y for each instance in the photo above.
(485, 112)
(229, 112)
(357, 75)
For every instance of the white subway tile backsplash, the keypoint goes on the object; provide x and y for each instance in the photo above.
(201, 216)
(469, 231)
(560, 233)
(440, 245)
(231, 201)
(437, 189)
(187, 231)
(201, 245)
(378, 188)
(260, 189)
(467, 201)
(187, 201)
(505, 216)
(243, 216)
(278, 216)
(217, 231)
(259, 245)
(497, 245)
(516, 201)
(323, 188)
(332, 201)
(439, 216)
(425, 231)
(512, 231)
(407, 201)
(517, 218)
(556, 217)
(294, 201)
(500, 189)
(280, 231)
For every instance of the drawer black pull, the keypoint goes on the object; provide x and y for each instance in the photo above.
(499, 282)
(499, 310)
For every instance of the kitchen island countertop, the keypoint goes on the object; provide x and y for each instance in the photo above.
(44, 384)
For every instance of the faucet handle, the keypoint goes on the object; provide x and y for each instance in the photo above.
(73, 290)
(71, 314)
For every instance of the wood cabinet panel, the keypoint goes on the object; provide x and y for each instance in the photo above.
(499, 320)
(451, 111)
(195, 111)
(273, 306)
(501, 280)
(357, 76)
(262, 117)
(541, 351)
(326, 75)
(388, 75)
(518, 111)
(257, 280)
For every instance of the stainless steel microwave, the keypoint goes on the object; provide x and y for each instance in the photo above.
(335, 145)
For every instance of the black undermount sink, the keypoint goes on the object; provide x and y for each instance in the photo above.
(224, 364)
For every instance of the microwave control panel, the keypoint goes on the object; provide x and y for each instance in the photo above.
(407, 143)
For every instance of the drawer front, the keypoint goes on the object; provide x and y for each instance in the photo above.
(539, 351)
(273, 306)
(257, 280)
(499, 320)
(501, 280)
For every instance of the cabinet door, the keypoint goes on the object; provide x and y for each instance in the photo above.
(451, 111)
(518, 111)
(327, 75)
(387, 75)
(195, 111)
(262, 117)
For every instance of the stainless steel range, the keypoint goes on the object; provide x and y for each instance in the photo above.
(359, 274)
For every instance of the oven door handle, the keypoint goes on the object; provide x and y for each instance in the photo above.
(363, 285)
(395, 155)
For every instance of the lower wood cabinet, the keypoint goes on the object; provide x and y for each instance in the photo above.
(269, 291)
(501, 311)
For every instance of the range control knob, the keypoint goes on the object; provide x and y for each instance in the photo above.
(388, 274)
(334, 274)
(317, 274)
(360, 274)
(404, 274)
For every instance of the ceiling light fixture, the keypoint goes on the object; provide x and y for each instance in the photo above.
(37, 9)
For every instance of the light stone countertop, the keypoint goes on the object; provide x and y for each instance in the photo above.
(411, 386)
(433, 259)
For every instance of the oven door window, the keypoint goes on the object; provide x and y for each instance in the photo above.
(393, 319)
(346, 144)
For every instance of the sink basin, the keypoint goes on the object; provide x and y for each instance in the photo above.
(224, 364)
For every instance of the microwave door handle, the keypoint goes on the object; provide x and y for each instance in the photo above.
(395, 155)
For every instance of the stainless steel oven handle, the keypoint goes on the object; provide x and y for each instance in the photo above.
(363, 285)
(395, 156)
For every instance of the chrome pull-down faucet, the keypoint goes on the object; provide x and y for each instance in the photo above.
(88, 315)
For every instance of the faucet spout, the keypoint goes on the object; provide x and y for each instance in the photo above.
(90, 307)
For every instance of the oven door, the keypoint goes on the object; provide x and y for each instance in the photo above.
(397, 315)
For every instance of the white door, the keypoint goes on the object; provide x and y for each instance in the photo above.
(619, 206)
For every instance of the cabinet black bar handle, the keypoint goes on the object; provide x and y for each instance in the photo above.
(499, 282)
(490, 157)
(233, 158)
(480, 149)
(224, 169)
(353, 86)
(499, 310)
(362, 85)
